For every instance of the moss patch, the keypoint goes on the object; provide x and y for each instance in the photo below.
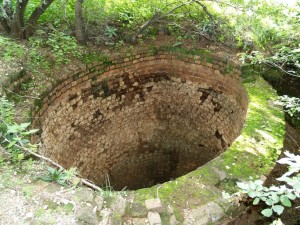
(253, 153)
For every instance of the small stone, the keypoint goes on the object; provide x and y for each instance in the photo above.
(154, 218)
(85, 214)
(29, 215)
(154, 205)
(99, 200)
(119, 205)
(116, 219)
(138, 210)
(209, 213)
(105, 215)
(214, 211)
(173, 220)
(84, 195)
(139, 221)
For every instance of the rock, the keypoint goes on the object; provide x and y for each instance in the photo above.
(119, 205)
(154, 205)
(195, 217)
(99, 200)
(116, 219)
(206, 214)
(139, 221)
(173, 220)
(105, 216)
(138, 210)
(214, 211)
(84, 195)
(154, 218)
(86, 214)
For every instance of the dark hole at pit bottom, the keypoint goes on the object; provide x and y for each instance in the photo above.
(151, 165)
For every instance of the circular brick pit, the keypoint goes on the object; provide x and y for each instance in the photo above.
(144, 119)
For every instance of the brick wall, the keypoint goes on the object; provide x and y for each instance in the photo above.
(143, 118)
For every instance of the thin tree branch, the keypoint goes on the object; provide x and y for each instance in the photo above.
(158, 16)
(280, 68)
(205, 10)
(35, 15)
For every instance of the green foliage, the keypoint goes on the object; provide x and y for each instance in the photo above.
(110, 32)
(291, 106)
(6, 114)
(16, 139)
(60, 176)
(287, 56)
(13, 135)
(62, 47)
(10, 49)
(276, 198)
(54, 175)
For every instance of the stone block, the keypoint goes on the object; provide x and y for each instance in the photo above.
(119, 205)
(154, 205)
(84, 195)
(154, 218)
(86, 214)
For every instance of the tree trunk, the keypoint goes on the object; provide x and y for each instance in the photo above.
(79, 24)
(17, 26)
(35, 15)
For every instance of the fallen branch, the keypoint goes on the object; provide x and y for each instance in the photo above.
(84, 181)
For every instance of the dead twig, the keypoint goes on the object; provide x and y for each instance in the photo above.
(27, 150)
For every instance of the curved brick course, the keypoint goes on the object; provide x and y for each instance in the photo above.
(143, 118)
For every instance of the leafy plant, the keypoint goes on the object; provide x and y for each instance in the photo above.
(276, 198)
(111, 32)
(10, 50)
(6, 113)
(16, 139)
(63, 47)
(291, 106)
(13, 135)
(61, 176)
(55, 175)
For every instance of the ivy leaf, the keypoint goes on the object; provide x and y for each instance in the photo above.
(242, 185)
(285, 201)
(267, 212)
(269, 202)
(291, 196)
(256, 201)
(278, 209)
(252, 194)
(252, 185)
